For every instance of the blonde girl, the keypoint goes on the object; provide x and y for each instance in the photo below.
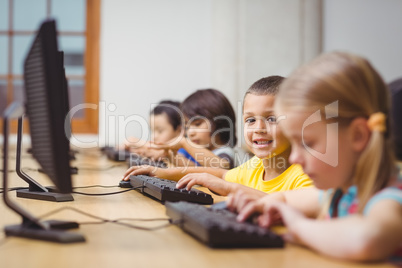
(336, 115)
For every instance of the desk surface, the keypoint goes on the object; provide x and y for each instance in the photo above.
(111, 245)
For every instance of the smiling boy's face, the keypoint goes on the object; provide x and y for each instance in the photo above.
(261, 131)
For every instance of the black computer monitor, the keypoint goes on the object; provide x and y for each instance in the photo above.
(45, 106)
(66, 96)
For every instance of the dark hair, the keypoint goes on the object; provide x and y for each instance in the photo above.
(396, 115)
(211, 103)
(171, 109)
(266, 86)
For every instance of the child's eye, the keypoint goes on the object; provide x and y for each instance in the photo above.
(249, 120)
(308, 144)
(271, 119)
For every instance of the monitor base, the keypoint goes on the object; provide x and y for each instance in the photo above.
(47, 196)
(54, 234)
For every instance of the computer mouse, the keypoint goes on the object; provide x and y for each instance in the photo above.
(125, 184)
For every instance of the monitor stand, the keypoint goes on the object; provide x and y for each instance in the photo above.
(35, 190)
(31, 227)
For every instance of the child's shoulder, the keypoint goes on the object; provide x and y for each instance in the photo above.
(393, 192)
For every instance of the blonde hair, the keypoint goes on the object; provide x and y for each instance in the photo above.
(360, 92)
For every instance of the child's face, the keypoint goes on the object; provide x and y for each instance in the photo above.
(199, 132)
(324, 150)
(261, 131)
(162, 131)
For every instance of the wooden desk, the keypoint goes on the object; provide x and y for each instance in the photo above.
(110, 245)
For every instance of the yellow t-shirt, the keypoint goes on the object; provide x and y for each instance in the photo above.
(251, 174)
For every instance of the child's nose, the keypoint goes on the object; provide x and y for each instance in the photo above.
(190, 132)
(296, 157)
(260, 126)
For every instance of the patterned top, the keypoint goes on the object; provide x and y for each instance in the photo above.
(344, 204)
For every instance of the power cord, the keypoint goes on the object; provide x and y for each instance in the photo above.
(111, 193)
(96, 185)
(81, 187)
(116, 221)
(100, 169)
(23, 169)
(13, 189)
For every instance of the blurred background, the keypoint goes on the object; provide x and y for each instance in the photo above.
(122, 56)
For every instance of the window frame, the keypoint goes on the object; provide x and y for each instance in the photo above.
(89, 122)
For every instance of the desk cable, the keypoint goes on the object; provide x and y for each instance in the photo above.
(94, 168)
(101, 194)
(115, 221)
(83, 187)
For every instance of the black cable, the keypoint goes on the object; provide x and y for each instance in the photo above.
(23, 169)
(101, 194)
(96, 185)
(100, 169)
(80, 187)
(13, 189)
(9, 171)
(116, 221)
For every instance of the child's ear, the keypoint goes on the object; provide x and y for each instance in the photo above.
(359, 134)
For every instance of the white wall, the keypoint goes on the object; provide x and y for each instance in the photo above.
(157, 49)
(151, 50)
(371, 28)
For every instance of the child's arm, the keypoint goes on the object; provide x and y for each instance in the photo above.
(371, 237)
(216, 185)
(203, 156)
(174, 173)
(305, 200)
(178, 160)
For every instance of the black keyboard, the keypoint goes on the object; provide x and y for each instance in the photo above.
(132, 159)
(114, 154)
(137, 160)
(219, 228)
(165, 190)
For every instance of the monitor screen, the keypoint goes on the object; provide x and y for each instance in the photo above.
(46, 106)
(66, 97)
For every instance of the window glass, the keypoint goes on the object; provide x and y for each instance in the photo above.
(76, 96)
(3, 54)
(73, 47)
(28, 14)
(3, 15)
(63, 11)
(21, 45)
(3, 96)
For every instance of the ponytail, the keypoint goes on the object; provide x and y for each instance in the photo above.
(376, 164)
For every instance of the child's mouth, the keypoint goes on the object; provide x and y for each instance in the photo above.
(262, 143)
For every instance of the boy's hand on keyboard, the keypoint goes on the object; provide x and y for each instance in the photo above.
(142, 170)
(213, 183)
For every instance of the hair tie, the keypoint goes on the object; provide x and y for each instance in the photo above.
(376, 122)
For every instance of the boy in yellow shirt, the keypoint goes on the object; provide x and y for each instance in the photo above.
(268, 171)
